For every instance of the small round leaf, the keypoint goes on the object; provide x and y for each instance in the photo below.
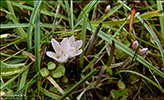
(57, 74)
(44, 72)
(121, 85)
(51, 65)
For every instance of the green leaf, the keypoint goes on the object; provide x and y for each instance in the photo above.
(121, 85)
(9, 70)
(105, 98)
(121, 94)
(123, 98)
(57, 74)
(27, 25)
(60, 71)
(51, 65)
(61, 68)
(37, 37)
(44, 72)
(114, 93)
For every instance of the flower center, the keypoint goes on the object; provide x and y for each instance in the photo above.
(73, 49)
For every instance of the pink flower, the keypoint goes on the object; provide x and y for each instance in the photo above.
(61, 54)
(68, 48)
(135, 45)
(142, 51)
(107, 8)
(75, 46)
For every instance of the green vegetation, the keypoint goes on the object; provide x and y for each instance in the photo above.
(107, 69)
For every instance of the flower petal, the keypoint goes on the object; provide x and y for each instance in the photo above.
(51, 54)
(62, 58)
(71, 40)
(135, 45)
(56, 46)
(78, 44)
(65, 44)
(142, 51)
(78, 52)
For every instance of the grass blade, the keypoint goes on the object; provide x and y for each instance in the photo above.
(87, 9)
(83, 35)
(32, 19)
(72, 22)
(20, 31)
(27, 25)
(42, 11)
(161, 18)
(68, 12)
(37, 40)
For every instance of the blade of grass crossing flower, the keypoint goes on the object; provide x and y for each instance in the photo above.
(72, 22)
(32, 19)
(37, 40)
(20, 30)
(68, 12)
(93, 72)
(83, 35)
(161, 18)
(155, 84)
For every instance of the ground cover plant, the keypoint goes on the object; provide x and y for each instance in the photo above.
(82, 50)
